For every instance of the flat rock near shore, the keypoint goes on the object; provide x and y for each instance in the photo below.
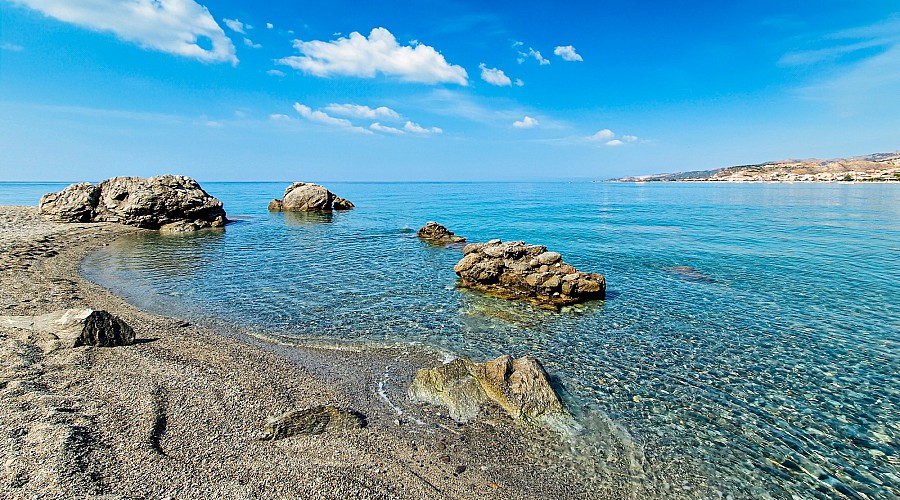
(181, 412)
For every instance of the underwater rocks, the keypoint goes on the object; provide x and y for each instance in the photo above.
(166, 202)
(433, 232)
(315, 420)
(516, 270)
(520, 386)
(75, 328)
(306, 197)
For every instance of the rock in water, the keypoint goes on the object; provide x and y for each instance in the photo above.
(167, 202)
(516, 270)
(75, 327)
(315, 420)
(436, 233)
(520, 386)
(306, 197)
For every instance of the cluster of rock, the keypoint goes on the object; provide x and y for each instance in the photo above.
(76, 327)
(166, 202)
(309, 421)
(307, 197)
(520, 386)
(516, 270)
(433, 232)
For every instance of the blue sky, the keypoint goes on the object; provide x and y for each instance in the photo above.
(431, 90)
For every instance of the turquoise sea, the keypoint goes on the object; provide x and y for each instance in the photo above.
(752, 328)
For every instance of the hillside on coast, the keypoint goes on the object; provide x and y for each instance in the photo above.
(878, 167)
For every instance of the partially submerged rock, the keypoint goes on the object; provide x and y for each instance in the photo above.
(76, 327)
(167, 202)
(307, 197)
(436, 233)
(516, 270)
(315, 420)
(520, 386)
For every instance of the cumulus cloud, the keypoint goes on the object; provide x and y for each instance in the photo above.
(172, 26)
(275, 72)
(494, 76)
(325, 119)
(11, 47)
(534, 54)
(378, 127)
(614, 142)
(235, 25)
(567, 52)
(365, 57)
(358, 111)
(629, 138)
(603, 135)
(278, 117)
(249, 43)
(527, 122)
(269, 25)
(519, 82)
(415, 128)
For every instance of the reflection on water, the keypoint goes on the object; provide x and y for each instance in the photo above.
(304, 218)
(749, 331)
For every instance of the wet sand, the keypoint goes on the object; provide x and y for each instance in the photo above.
(180, 413)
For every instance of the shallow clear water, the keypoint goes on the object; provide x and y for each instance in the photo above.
(751, 328)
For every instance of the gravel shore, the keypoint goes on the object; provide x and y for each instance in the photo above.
(180, 413)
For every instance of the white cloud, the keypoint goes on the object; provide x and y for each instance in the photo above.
(205, 122)
(172, 26)
(519, 82)
(269, 25)
(278, 117)
(358, 111)
(567, 52)
(11, 47)
(387, 130)
(629, 138)
(324, 118)
(234, 25)
(275, 72)
(364, 57)
(535, 54)
(494, 76)
(527, 122)
(614, 142)
(418, 129)
(249, 43)
(603, 135)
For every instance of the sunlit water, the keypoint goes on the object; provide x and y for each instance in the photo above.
(752, 328)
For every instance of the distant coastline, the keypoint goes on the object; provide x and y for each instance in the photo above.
(878, 167)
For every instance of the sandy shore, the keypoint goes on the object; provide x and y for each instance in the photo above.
(180, 413)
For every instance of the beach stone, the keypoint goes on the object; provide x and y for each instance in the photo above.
(308, 197)
(315, 420)
(168, 202)
(521, 387)
(75, 328)
(516, 270)
(436, 233)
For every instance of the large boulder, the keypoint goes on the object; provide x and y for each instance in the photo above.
(307, 197)
(520, 386)
(75, 328)
(433, 232)
(167, 202)
(516, 270)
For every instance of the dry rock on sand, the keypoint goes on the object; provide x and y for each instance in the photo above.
(520, 386)
(516, 270)
(433, 232)
(75, 328)
(307, 197)
(166, 202)
(310, 421)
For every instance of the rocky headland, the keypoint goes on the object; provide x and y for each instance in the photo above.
(517, 270)
(165, 202)
(308, 197)
(879, 167)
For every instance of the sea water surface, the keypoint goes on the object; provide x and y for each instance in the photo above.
(751, 328)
